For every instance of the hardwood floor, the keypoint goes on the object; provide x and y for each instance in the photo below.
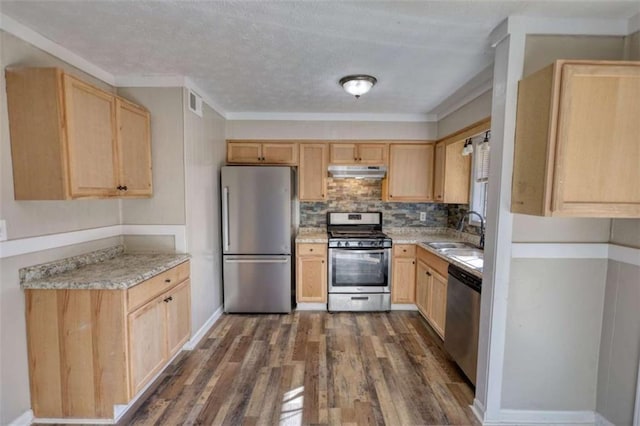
(313, 368)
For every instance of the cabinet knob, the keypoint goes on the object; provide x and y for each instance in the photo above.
(168, 299)
(390, 196)
(167, 280)
(413, 263)
(428, 273)
(404, 250)
(323, 261)
(119, 187)
(124, 188)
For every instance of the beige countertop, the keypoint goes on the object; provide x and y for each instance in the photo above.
(108, 269)
(312, 235)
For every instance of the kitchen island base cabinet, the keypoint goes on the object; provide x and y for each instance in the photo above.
(89, 350)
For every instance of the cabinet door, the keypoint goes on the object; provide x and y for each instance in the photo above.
(372, 153)
(244, 152)
(438, 172)
(178, 306)
(280, 153)
(147, 343)
(311, 282)
(312, 177)
(91, 140)
(343, 153)
(423, 281)
(438, 302)
(457, 174)
(134, 149)
(598, 146)
(410, 176)
(403, 286)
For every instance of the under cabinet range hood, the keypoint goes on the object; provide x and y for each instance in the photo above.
(358, 172)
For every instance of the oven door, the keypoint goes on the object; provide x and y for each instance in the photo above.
(359, 271)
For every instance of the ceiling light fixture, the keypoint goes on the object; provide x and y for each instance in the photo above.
(357, 85)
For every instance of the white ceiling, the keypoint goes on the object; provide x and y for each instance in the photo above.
(287, 56)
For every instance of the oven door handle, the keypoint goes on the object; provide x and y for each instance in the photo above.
(376, 251)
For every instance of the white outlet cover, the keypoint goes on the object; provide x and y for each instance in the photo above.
(423, 216)
(3, 230)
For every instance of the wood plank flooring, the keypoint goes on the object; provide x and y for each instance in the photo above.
(312, 368)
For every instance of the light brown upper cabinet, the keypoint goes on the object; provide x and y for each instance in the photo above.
(577, 148)
(71, 140)
(451, 173)
(248, 152)
(358, 153)
(410, 174)
(312, 172)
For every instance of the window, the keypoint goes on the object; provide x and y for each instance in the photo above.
(479, 176)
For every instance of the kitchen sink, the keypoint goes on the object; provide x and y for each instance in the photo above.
(472, 257)
(450, 245)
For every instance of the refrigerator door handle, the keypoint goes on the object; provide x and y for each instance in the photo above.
(225, 218)
(280, 259)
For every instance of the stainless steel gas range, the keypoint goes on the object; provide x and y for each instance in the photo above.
(359, 263)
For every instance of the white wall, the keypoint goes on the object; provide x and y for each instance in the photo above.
(554, 322)
(33, 218)
(205, 152)
(620, 344)
(330, 130)
(474, 111)
(556, 306)
(167, 206)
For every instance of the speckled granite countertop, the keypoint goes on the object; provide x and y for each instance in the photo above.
(108, 269)
(419, 236)
(312, 235)
(424, 236)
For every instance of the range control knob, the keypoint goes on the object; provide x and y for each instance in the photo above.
(360, 244)
(346, 244)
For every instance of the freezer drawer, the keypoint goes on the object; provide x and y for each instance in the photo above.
(257, 284)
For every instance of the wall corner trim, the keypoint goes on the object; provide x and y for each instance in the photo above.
(25, 419)
(202, 332)
(610, 251)
(634, 23)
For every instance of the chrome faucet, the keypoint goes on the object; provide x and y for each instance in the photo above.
(468, 214)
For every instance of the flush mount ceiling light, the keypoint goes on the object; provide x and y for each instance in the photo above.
(357, 85)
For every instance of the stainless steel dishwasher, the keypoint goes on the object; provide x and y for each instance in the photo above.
(463, 320)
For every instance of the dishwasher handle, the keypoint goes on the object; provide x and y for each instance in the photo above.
(465, 278)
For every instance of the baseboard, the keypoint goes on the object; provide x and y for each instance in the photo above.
(311, 307)
(602, 421)
(25, 419)
(538, 417)
(477, 408)
(403, 307)
(202, 332)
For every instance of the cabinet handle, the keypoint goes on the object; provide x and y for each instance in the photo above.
(323, 261)
(167, 280)
(310, 249)
(428, 273)
(124, 188)
(413, 263)
(404, 250)
(119, 187)
(168, 299)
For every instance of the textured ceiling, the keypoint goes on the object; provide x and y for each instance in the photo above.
(265, 56)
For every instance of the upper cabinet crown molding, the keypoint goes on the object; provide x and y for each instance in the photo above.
(577, 142)
(70, 139)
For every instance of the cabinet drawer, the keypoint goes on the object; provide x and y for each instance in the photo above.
(183, 271)
(312, 249)
(154, 286)
(440, 265)
(404, 250)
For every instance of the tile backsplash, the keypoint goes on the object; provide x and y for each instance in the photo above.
(365, 195)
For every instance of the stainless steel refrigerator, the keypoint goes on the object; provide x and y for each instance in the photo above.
(258, 215)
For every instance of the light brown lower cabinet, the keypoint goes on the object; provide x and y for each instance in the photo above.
(311, 273)
(91, 349)
(431, 289)
(403, 282)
